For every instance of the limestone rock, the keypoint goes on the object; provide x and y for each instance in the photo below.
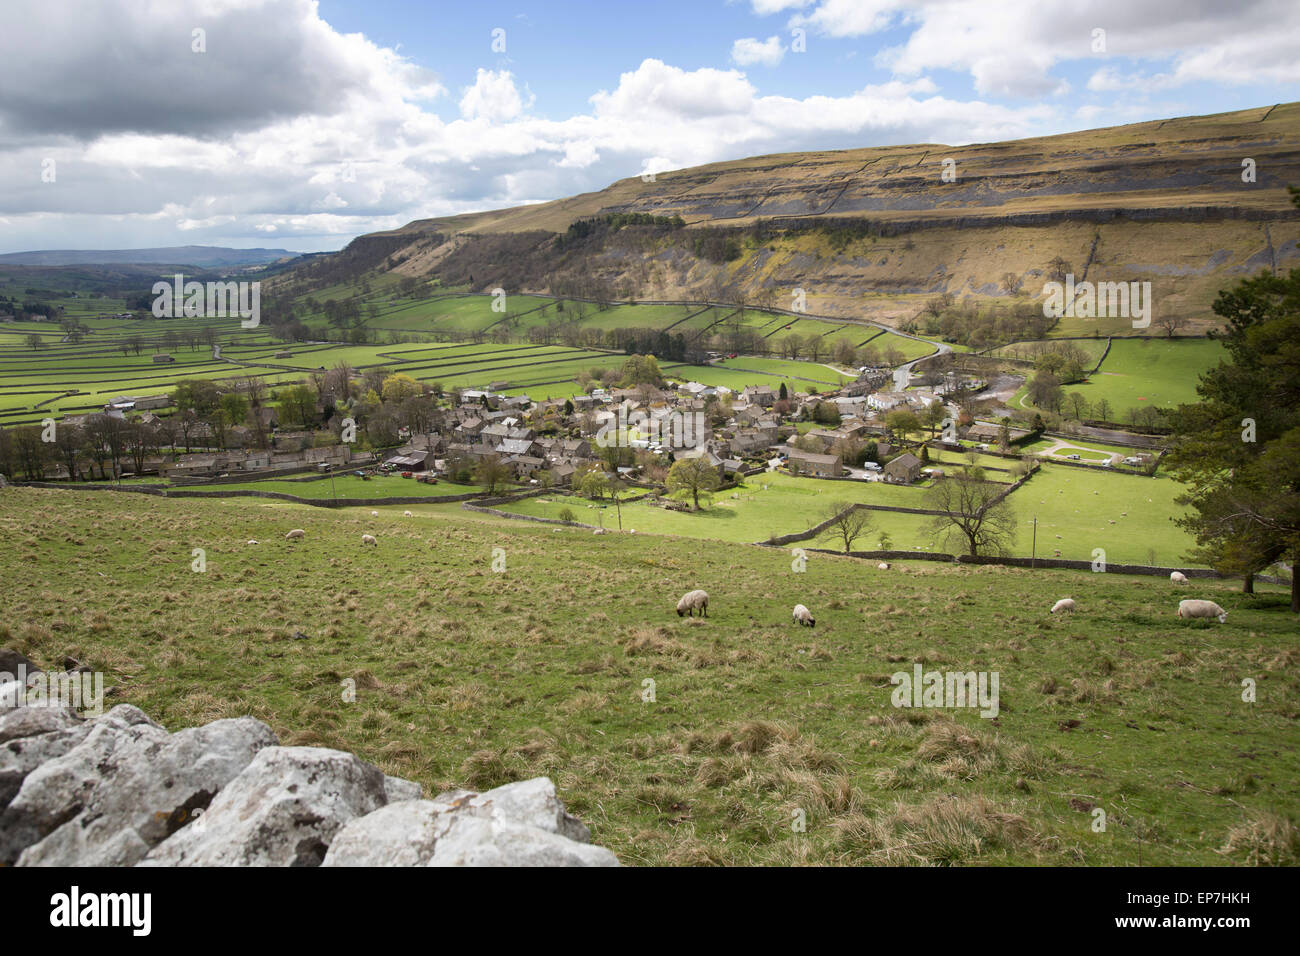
(149, 788)
(282, 810)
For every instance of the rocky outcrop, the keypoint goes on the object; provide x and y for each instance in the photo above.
(519, 824)
(119, 790)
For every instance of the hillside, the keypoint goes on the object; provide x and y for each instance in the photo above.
(686, 740)
(874, 233)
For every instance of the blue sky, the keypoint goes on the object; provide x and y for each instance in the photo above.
(300, 125)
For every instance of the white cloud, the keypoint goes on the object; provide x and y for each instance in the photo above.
(493, 97)
(748, 51)
(765, 7)
(356, 146)
(1010, 48)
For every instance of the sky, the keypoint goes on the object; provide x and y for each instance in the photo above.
(298, 124)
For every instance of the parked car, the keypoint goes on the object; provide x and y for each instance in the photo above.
(1072, 457)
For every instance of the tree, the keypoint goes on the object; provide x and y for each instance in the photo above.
(197, 395)
(693, 476)
(933, 416)
(30, 451)
(298, 405)
(901, 421)
(1077, 405)
(1045, 391)
(848, 522)
(492, 472)
(1102, 410)
(1238, 449)
(110, 433)
(1171, 324)
(399, 387)
(971, 510)
(594, 484)
(141, 439)
(69, 440)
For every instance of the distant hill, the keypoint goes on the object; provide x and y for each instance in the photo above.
(877, 233)
(203, 257)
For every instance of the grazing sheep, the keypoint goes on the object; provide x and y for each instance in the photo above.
(1065, 604)
(803, 617)
(374, 514)
(369, 539)
(693, 601)
(295, 534)
(1178, 577)
(883, 566)
(251, 541)
(407, 513)
(1190, 609)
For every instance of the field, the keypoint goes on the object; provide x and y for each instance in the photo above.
(62, 378)
(1140, 372)
(466, 678)
(1074, 503)
(1147, 372)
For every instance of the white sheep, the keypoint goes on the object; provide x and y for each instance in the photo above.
(883, 566)
(693, 601)
(369, 539)
(803, 616)
(251, 541)
(406, 513)
(374, 514)
(295, 534)
(1190, 609)
(1065, 604)
(1178, 577)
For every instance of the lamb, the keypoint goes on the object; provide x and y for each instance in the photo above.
(691, 602)
(369, 539)
(1191, 609)
(251, 541)
(883, 566)
(1178, 577)
(295, 534)
(1065, 604)
(374, 514)
(803, 617)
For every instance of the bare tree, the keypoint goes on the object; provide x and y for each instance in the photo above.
(971, 510)
(848, 522)
(1171, 324)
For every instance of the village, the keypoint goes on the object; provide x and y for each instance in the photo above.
(857, 432)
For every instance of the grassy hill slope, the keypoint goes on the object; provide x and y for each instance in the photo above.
(466, 677)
